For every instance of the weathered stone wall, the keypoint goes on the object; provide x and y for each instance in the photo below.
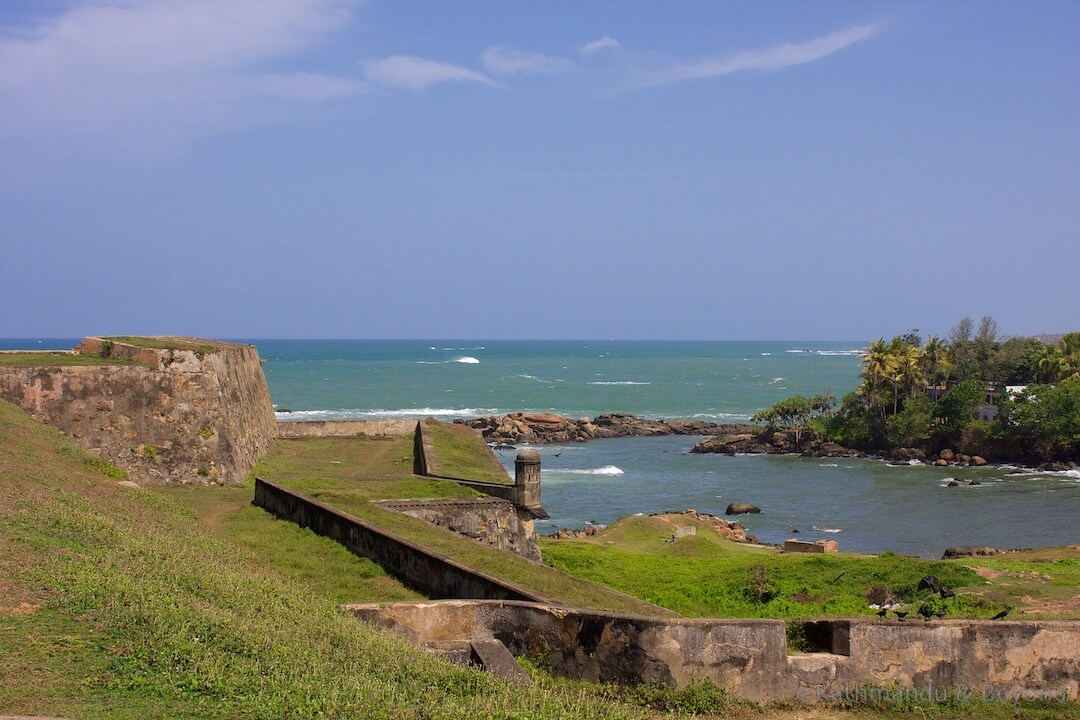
(194, 417)
(968, 658)
(437, 575)
(488, 520)
(296, 429)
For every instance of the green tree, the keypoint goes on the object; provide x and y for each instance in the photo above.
(913, 425)
(792, 413)
(957, 408)
(1043, 421)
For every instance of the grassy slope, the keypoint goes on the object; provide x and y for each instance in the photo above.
(703, 575)
(114, 603)
(117, 604)
(461, 452)
(349, 473)
(56, 359)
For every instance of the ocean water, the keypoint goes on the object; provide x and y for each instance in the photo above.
(866, 505)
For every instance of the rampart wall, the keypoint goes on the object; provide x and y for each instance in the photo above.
(298, 429)
(435, 574)
(182, 416)
(968, 659)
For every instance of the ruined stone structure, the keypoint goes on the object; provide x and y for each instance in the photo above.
(183, 415)
(489, 520)
(971, 659)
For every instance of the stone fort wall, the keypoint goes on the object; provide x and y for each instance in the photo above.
(184, 415)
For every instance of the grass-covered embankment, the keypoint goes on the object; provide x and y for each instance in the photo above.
(116, 603)
(705, 576)
(460, 452)
(349, 474)
(58, 359)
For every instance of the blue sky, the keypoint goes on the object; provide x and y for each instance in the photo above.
(663, 170)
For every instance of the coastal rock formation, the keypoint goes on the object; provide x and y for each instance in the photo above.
(540, 428)
(750, 439)
(740, 508)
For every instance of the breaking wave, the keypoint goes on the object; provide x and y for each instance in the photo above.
(312, 415)
(606, 470)
(618, 382)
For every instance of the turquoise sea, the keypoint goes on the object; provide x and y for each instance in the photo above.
(866, 505)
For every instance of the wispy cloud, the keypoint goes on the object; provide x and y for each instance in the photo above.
(179, 69)
(605, 43)
(773, 58)
(508, 61)
(413, 73)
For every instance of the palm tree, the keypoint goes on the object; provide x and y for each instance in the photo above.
(936, 363)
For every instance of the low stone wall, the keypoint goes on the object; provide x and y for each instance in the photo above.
(436, 575)
(188, 416)
(298, 429)
(967, 659)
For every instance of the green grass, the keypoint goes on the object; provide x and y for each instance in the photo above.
(705, 576)
(350, 473)
(460, 452)
(323, 566)
(117, 604)
(125, 603)
(197, 345)
(57, 359)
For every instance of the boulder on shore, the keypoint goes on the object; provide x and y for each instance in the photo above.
(739, 508)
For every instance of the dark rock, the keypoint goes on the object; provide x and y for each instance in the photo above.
(738, 508)
(968, 551)
(952, 483)
(947, 455)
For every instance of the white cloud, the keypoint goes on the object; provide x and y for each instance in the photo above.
(774, 58)
(508, 61)
(173, 67)
(413, 73)
(605, 43)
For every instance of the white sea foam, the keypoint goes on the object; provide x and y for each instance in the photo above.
(720, 416)
(345, 414)
(765, 354)
(844, 353)
(533, 378)
(828, 465)
(618, 382)
(775, 380)
(467, 359)
(606, 470)
(797, 350)
(827, 530)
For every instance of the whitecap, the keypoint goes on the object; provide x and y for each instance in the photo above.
(775, 380)
(467, 360)
(828, 465)
(841, 353)
(606, 470)
(618, 382)
(827, 530)
(765, 354)
(797, 350)
(357, 414)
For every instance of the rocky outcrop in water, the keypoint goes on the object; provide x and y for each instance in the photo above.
(750, 439)
(539, 428)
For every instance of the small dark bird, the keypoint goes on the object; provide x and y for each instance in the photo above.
(900, 614)
(946, 593)
(925, 611)
(928, 583)
(557, 454)
(1001, 615)
(881, 613)
(837, 578)
(940, 614)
